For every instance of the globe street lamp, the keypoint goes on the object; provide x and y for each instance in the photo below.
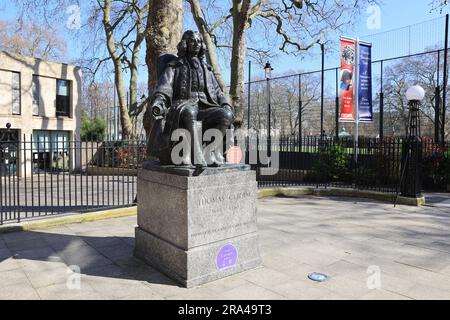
(411, 177)
(415, 95)
(268, 70)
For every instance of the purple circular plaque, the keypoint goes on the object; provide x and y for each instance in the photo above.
(227, 257)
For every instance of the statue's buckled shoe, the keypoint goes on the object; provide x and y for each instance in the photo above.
(210, 159)
(197, 146)
(186, 161)
(214, 159)
(220, 160)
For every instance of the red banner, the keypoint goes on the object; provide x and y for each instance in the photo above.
(346, 81)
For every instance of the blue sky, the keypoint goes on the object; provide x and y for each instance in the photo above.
(394, 14)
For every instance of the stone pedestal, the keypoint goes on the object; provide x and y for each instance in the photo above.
(197, 227)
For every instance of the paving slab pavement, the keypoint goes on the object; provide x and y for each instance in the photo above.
(370, 250)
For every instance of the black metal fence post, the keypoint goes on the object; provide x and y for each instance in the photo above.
(249, 94)
(444, 95)
(1, 184)
(437, 104)
(381, 132)
(322, 89)
(300, 111)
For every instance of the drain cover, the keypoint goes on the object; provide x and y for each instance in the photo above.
(318, 277)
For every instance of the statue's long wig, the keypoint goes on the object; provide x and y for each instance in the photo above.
(182, 46)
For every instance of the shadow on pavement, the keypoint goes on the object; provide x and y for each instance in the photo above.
(108, 256)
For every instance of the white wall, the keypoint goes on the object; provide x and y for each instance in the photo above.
(5, 92)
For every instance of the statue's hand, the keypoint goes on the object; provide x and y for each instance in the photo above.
(158, 109)
(228, 107)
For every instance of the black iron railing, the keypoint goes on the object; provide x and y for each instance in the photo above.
(47, 177)
(369, 164)
(435, 165)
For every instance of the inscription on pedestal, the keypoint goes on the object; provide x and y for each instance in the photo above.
(232, 209)
(239, 225)
(217, 199)
(198, 229)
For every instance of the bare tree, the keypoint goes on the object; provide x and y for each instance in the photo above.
(438, 5)
(115, 25)
(295, 25)
(285, 102)
(285, 107)
(421, 70)
(111, 25)
(97, 99)
(31, 39)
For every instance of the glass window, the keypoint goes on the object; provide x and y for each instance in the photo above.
(45, 140)
(62, 98)
(41, 140)
(15, 86)
(50, 150)
(36, 95)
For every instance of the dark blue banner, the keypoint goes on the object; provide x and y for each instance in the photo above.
(365, 107)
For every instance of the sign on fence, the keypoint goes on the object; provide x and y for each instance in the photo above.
(365, 110)
(356, 66)
(346, 82)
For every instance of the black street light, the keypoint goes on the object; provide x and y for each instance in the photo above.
(322, 48)
(268, 71)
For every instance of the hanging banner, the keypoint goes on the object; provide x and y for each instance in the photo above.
(347, 113)
(365, 108)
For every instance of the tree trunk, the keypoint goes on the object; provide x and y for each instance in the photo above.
(134, 69)
(164, 30)
(239, 51)
(127, 128)
(211, 54)
(134, 88)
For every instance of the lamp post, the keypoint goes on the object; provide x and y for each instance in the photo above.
(268, 72)
(411, 179)
(322, 84)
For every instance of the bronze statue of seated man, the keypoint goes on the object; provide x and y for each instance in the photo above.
(187, 94)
